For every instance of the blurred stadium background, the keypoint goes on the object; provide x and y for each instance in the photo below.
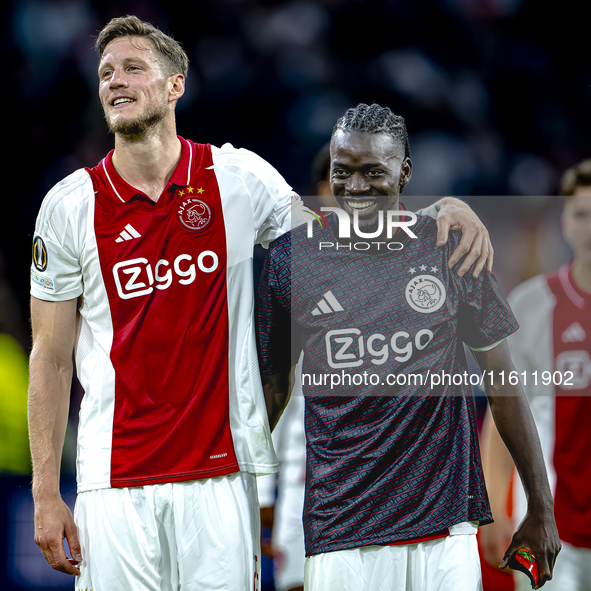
(496, 95)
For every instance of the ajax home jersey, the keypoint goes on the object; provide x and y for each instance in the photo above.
(553, 348)
(165, 347)
(390, 458)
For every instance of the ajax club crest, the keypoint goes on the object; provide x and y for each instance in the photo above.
(425, 293)
(194, 214)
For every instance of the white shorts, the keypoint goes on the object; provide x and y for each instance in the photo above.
(445, 564)
(202, 535)
(572, 571)
(288, 538)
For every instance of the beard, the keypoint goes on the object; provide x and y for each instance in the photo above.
(136, 128)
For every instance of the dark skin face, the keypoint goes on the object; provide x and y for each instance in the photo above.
(366, 173)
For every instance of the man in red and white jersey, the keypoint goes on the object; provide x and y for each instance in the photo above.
(143, 266)
(552, 353)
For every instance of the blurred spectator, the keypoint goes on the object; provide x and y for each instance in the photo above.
(14, 383)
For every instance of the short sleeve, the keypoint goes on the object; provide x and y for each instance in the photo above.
(56, 273)
(270, 195)
(484, 316)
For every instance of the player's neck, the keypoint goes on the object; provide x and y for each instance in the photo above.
(148, 163)
(582, 275)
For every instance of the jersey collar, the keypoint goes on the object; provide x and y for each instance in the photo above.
(124, 192)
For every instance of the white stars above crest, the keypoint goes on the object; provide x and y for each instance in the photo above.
(424, 269)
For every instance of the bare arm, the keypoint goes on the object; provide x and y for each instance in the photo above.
(498, 468)
(515, 424)
(54, 329)
(454, 214)
(277, 392)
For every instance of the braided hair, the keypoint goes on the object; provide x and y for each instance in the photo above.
(374, 119)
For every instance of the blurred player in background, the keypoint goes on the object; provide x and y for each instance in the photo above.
(143, 266)
(394, 487)
(553, 349)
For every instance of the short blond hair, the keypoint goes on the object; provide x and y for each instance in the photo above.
(172, 56)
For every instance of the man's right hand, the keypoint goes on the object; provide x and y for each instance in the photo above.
(53, 523)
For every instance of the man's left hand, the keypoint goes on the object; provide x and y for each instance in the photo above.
(475, 243)
(538, 534)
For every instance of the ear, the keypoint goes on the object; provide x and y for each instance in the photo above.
(176, 86)
(405, 171)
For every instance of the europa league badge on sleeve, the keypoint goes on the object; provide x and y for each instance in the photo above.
(38, 277)
(39, 254)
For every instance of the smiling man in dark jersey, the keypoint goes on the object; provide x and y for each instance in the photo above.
(394, 485)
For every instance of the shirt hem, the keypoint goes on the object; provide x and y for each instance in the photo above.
(193, 475)
(351, 545)
(254, 469)
(48, 296)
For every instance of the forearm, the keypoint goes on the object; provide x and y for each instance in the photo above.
(513, 419)
(276, 389)
(516, 427)
(48, 406)
(515, 424)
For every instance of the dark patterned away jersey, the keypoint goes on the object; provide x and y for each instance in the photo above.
(392, 447)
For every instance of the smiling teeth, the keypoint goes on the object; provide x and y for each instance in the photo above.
(360, 204)
(122, 100)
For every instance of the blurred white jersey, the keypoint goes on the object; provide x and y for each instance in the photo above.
(552, 353)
